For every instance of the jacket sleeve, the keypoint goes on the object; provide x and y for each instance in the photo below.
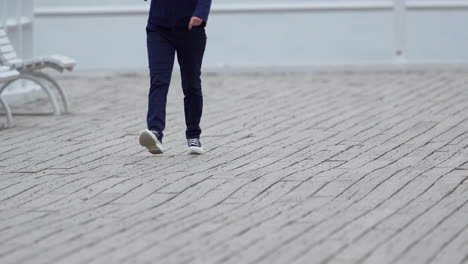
(202, 10)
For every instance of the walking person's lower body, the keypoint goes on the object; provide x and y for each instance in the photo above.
(163, 45)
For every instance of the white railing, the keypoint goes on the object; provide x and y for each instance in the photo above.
(286, 6)
(399, 8)
(17, 15)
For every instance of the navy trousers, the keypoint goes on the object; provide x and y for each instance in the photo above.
(189, 45)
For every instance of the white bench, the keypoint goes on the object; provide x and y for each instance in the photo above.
(6, 74)
(31, 70)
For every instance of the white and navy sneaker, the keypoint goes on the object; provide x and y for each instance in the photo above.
(194, 146)
(152, 141)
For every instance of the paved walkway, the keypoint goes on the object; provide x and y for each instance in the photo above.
(331, 167)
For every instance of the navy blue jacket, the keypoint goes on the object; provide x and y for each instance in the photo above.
(177, 13)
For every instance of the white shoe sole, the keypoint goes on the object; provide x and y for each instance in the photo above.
(148, 140)
(195, 150)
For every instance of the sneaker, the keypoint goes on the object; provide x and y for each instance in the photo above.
(194, 146)
(152, 141)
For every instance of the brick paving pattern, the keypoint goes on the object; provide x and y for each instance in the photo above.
(313, 167)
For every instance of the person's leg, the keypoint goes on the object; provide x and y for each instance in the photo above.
(190, 49)
(161, 53)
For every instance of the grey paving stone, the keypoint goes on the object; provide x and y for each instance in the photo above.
(300, 167)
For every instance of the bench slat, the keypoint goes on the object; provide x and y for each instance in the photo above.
(4, 41)
(6, 49)
(8, 74)
(9, 56)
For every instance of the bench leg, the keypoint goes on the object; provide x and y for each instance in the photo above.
(64, 97)
(44, 87)
(9, 118)
(47, 90)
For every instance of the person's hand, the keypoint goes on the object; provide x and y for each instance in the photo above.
(195, 22)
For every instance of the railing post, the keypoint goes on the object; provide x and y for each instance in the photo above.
(3, 12)
(400, 24)
(19, 27)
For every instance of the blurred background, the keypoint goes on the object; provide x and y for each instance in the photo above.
(251, 34)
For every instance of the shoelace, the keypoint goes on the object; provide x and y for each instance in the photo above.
(157, 135)
(194, 142)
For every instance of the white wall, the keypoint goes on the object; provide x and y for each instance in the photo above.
(269, 34)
